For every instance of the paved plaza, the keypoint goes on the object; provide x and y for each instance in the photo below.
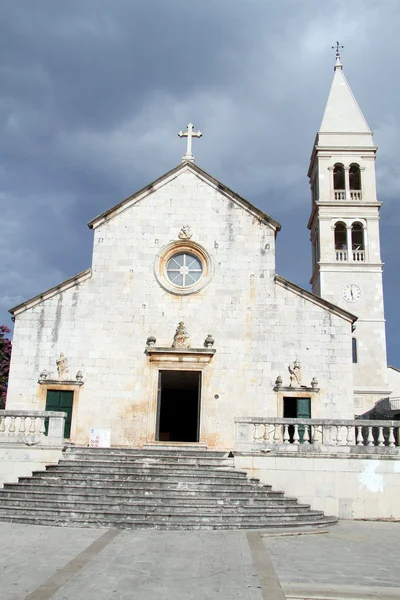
(350, 561)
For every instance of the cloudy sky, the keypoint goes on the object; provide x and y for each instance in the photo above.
(93, 93)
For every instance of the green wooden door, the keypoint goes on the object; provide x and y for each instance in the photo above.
(303, 411)
(62, 401)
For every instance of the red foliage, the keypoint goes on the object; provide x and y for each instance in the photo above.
(5, 357)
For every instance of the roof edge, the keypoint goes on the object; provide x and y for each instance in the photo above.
(173, 172)
(61, 287)
(136, 196)
(228, 192)
(340, 312)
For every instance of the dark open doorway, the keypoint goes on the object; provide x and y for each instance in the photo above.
(178, 406)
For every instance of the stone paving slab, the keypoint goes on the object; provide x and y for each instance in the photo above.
(354, 559)
(30, 554)
(135, 565)
(351, 561)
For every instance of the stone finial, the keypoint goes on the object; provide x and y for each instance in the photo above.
(79, 376)
(181, 338)
(295, 374)
(314, 382)
(44, 374)
(62, 366)
(151, 340)
(185, 233)
(209, 341)
(278, 381)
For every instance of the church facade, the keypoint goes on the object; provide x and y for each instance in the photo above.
(182, 324)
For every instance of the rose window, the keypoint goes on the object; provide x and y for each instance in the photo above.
(184, 269)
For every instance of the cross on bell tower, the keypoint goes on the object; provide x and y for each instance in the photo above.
(337, 47)
(189, 134)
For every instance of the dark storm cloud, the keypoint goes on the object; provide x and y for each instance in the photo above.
(93, 93)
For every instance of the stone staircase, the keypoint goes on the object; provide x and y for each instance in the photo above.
(158, 488)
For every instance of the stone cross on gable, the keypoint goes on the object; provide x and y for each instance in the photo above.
(189, 134)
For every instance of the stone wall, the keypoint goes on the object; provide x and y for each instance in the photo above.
(21, 461)
(361, 487)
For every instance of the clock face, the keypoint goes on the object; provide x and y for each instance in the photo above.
(351, 293)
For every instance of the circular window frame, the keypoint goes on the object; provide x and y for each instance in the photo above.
(184, 246)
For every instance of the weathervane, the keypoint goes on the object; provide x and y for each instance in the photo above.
(189, 134)
(338, 46)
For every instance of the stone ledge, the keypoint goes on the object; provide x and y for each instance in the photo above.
(303, 388)
(188, 355)
(326, 452)
(59, 382)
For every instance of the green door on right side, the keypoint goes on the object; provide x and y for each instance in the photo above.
(61, 401)
(303, 410)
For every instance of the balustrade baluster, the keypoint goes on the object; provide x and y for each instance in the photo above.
(32, 428)
(42, 425)
(306, 436)
(22, 425)
(2, 424)
(349, 436)
(360, 439)
(296, 436)
(277, 435)
(316, 434)
(286, 436)
(370, 438)
(11, 427)
(381, 439)
(338, 435)
(391, 437)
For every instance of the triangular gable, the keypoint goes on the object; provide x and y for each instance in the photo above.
(164, 179)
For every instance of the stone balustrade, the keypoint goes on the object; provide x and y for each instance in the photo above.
(341, 255)
(340, 194)
(358, 255)
(32, 427)
(319, 435)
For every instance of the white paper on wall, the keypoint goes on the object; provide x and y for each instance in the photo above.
(99, 438)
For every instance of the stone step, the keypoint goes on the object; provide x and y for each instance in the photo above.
(48, 506)
(186, 447)
(179, 471)
(146, 451)
(163, 515)
(70, 493)
(244, 492)
(149, 486)
(149, 458)
(147, 464)
(163, 486)
(173, 479)
(17, 496)
(178, 526)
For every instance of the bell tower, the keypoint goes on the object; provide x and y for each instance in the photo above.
(344, 226)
